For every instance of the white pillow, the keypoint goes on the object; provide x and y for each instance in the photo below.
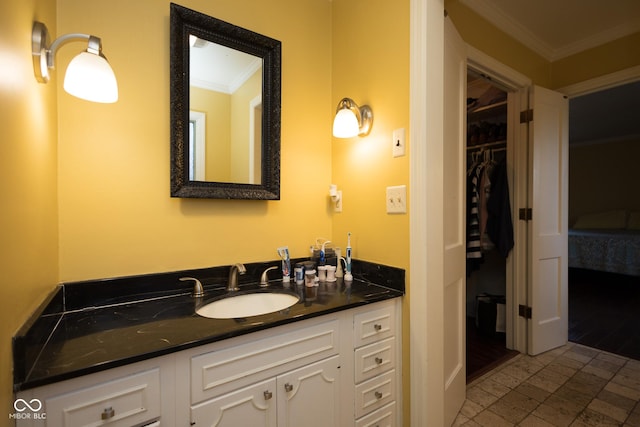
(607, 220)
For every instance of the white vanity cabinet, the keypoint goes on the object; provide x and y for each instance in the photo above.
(376, 371)
(337, 369)
(139, 394)
(274, 379)
(307, 396)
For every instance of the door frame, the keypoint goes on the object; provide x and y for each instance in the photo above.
(618, 78)
(426, 243)
(517, 86)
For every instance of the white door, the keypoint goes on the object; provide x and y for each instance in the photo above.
(454, 220)
(309, 396)
(548, 198)
(254, 405)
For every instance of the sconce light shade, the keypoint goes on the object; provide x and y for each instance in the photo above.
(352, 120)
(89, 76)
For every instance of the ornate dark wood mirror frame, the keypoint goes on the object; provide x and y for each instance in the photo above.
(184, 22)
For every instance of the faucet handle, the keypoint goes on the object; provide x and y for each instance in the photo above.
(264, 279)
(198, 290)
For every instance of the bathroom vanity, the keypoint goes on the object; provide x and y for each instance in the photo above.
(331, 359)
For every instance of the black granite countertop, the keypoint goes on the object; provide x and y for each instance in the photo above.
(91, 326)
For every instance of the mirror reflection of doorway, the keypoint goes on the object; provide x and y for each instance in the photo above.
(197, 153)
(255, 140)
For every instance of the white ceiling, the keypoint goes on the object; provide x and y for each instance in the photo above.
(220, 68)
(559, 28)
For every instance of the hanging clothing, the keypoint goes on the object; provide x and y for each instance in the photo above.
(474, 243)
(499, 221)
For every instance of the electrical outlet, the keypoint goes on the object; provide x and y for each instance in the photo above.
(397, 199)
(399, 143)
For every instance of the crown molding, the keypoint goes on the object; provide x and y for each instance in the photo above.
(513, 28)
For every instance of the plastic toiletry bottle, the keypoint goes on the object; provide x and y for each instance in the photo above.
(348, 277)
(299, 273)
(310, 278)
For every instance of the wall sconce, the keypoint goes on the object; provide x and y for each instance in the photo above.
(89, 76)
(352, 120)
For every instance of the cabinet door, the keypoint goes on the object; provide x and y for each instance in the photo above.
(253, 406)
(309, 396)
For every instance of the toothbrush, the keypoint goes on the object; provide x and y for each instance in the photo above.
(348, 276)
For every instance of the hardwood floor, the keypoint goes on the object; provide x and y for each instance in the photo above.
(604, 311)
(484, 352)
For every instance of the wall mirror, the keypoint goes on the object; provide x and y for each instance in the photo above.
(225, 109)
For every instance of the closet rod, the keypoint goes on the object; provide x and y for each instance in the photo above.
(488, 144)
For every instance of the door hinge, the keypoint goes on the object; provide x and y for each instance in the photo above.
(524, 311)
(525, 214)
(526, 116)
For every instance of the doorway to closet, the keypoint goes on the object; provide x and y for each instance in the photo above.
(489, 225)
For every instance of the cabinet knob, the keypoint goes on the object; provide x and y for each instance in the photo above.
(378, 395)
(268, 395)
(379, 360)
(288, 387)
(108, 413)
(377, 327)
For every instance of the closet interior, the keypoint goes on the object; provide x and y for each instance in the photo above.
(489, 224)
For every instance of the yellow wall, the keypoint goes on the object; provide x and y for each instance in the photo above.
(240, 126)
(371, 66)
(217, 109)
(600, 177)
(116, 216)
(28, 217)
(599, 61)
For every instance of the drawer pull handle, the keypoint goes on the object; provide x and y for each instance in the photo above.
(268, 395)
(379, 360)
(108, 413)
(378, 395)
(377, 327)
(288, 387)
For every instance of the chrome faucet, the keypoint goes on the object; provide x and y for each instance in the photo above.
(264, 279)
(233, 276)
(198, 290)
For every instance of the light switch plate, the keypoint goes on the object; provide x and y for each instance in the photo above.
(397, 199)
(399, 143)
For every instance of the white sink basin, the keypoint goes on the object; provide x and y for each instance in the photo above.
(246, 305)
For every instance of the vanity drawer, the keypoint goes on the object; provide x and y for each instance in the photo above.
(374, 359)
(383, 417)
(375, 393)
(221, 371)
(374, 325)
(127, 401)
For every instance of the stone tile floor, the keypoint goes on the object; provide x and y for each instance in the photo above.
(570, 386)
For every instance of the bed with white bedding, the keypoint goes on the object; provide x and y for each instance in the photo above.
(614, 251)
(607, 241)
